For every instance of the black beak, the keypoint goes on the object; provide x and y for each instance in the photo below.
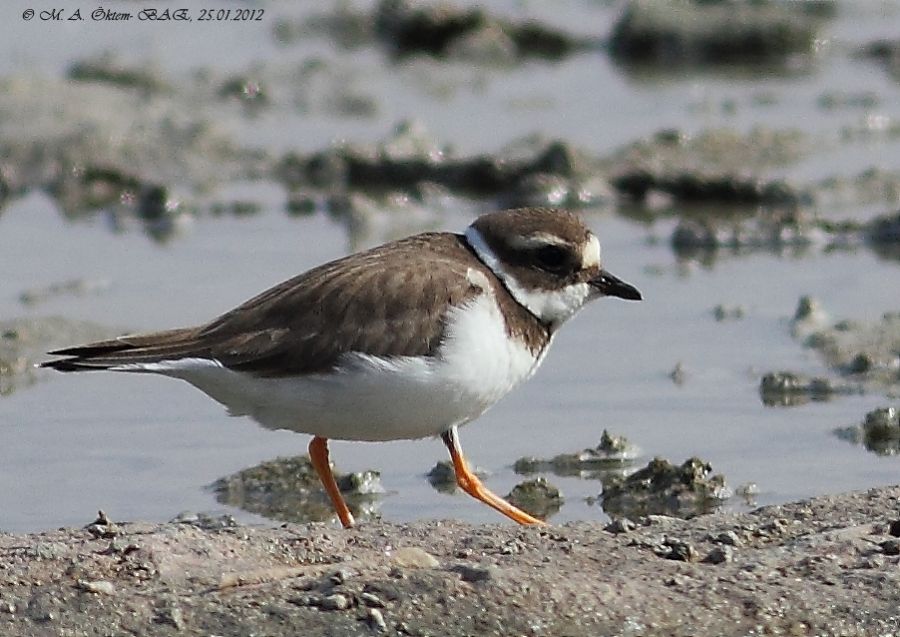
(608, 285)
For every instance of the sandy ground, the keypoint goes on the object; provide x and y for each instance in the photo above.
(827, 566)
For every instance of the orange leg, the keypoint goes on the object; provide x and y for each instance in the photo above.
(318, 455)
(470, 483)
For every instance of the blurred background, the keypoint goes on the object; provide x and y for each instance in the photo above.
(740, 161)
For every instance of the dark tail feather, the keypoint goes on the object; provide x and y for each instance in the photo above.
(125, 350)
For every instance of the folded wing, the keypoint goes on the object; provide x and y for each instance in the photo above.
(388, 301)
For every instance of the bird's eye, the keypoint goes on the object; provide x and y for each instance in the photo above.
(553, 258)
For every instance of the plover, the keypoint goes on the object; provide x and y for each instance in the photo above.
(410, 339)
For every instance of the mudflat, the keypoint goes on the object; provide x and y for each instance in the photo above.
(824, 566)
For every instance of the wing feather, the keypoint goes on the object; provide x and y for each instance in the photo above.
(388, 301)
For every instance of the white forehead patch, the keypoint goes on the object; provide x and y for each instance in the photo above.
(536, 240)
(590, 253)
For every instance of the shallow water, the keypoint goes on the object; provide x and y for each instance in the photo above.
(146, 448)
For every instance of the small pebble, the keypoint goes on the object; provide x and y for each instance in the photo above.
(861, 364)
(371, 600)
(872, 561)
(98, 586)
(173, 616)
(676, 580)
(376, 620)
(414, 557)
(677, 550)
(726, 313)
(807, 308)
(729, 538)
(891, 547)
(442, 474)
(719, 555)
(303, 600)
(474, 573)
(102, 527)
(40, 608)
(385, 590)
(620, 525)
(334, 602)
(894, 528)
(340, 576)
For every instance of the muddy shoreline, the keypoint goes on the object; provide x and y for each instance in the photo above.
(824, 566)
(736, 157)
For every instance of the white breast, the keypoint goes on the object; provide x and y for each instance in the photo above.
(372, 398)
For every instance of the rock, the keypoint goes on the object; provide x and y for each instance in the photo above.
(41, 608)
(620, 525)
(662, 487)
(884, 230)
(677, 550)
(807, 308)
(102, 527)
(360, 483)
(475, 573)
(442, 476)
(719, 555)
(538, 497)
(411, 161)
(879, 431)
(97, 586)
(700, 32)
(108, 70)
(678, 374)
(443, 30)
(611, 453)
(172, 615)
(866, 352)
(726, 313)
(289, 489)
(890, 547)
(334, 602)
(414, 557)
(693, 237)
(748, 491)
(76, 287)
(340, 576)
(371, 600)
(808, 317)
(206, 521)
(788, 389)
(376, 620)
(882, 423)
(729, 538)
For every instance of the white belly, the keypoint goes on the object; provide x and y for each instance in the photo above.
(370, 398)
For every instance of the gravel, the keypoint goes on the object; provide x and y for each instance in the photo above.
(826, 566)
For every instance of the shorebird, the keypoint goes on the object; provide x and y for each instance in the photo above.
(410, 339)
